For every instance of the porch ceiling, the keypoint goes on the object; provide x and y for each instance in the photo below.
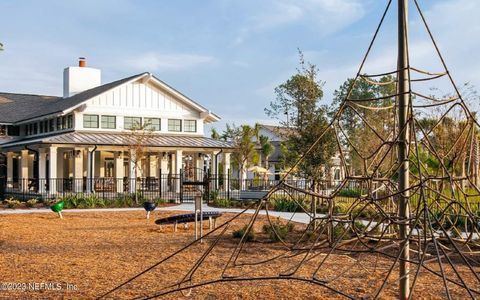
(119, 139)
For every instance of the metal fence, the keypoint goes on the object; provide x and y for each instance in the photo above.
(176, 188)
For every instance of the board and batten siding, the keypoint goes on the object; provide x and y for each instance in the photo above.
(138, 99)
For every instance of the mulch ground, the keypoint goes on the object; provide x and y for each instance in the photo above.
(87, 254)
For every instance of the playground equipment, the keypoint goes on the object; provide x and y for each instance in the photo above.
(149, 207)
(58, 207)
(412, 224)
(211, 216)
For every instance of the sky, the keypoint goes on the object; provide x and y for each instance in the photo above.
(227, 55)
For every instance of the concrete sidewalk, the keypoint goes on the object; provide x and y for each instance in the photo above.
(187, 207)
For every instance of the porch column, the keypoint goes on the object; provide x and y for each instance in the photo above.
(164, 171)
(178, 166)
(9, 169)
(90, 169)
(133, 179)
(52, 167)
(23, 176)
(214, 169)
(153, 166)
(31, 160)
(198, 167)
(78, 170)
(42, 169)
(226, 170)
(119, 171)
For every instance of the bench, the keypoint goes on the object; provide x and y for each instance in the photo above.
(211, 216)
(252, 195)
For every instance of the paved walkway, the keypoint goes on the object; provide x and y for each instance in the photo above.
(187, 207)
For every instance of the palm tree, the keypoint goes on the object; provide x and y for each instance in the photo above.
(267, 149)
(1, 46)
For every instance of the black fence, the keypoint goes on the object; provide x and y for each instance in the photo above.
(175, 188)
(180, 188)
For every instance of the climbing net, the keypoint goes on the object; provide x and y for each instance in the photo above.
(353, 248)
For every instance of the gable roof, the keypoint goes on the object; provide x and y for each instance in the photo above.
(281, 132)
(15, 108)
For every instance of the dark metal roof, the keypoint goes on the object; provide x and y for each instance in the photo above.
(20, 107)
(122, 139)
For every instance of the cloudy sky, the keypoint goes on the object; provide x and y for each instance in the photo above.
(228, 55)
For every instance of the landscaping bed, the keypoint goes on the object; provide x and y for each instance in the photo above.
(93, 252)
(84, 201)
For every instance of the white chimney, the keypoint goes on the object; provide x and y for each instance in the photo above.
(79, 79)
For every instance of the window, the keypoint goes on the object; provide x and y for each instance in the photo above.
(45, 125)
(59, 123)
(109, 122)
(131, 122)
(90, 121)
(64, 122)
(51, 124)
(35, 128)
(13, 130)
(152, 124)
(174, 125)
(41, 127)
(190, 126)
(3, 130)
(70, 121)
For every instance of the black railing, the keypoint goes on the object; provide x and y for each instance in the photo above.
(169, 187)
(176, 188)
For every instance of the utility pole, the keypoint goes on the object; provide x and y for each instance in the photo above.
(403, 146)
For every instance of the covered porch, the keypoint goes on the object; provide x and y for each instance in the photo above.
(48, 168)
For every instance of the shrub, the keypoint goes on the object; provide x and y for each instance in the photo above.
(72, 200)
(249, 237)
(31, 202)
(353, 193)
(286, 204)
(341, 232)
(278, 231)
(212, 195)
(222, 203)
(159, 201)
(12, 202)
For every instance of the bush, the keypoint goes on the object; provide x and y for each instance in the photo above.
(278, 231)
(222, 203)
(249, 237)
(159, 201)
(212, 195)
(31, 202)
(12, 202)
(72, 200)
(286, 204)
(341, 232)
(353, 193)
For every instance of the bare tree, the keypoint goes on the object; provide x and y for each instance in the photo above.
(139, 137)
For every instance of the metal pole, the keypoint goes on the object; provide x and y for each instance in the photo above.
(403, 146)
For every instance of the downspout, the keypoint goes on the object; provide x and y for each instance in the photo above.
(90, 154)
(35, 174)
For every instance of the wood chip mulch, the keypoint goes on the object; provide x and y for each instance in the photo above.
(86, 254)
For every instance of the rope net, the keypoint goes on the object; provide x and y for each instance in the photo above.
(351, 247)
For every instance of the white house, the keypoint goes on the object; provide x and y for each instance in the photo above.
(277, 135)
(85, 135)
